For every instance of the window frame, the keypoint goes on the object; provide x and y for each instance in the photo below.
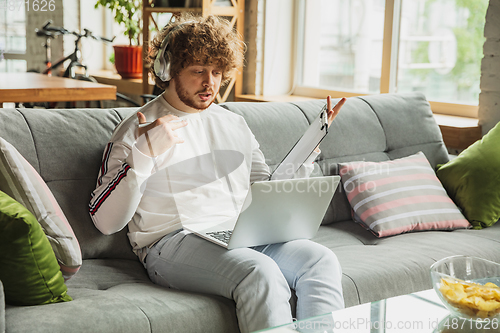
(389, 70)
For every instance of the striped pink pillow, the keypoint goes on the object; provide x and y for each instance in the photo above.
(398, 196)
(21, 181)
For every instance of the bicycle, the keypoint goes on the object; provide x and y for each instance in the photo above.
(52, 32)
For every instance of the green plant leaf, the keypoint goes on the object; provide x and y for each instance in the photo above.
(127, 14)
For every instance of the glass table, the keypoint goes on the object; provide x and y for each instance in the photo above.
(419, 312)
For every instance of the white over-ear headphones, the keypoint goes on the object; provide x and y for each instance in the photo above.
(162, 61)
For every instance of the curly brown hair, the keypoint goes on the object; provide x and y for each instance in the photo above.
(204, 40)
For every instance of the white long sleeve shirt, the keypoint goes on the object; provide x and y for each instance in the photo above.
(203, 180)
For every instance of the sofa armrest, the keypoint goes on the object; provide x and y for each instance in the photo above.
(2, 309)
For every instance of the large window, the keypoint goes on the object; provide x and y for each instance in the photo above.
(343, 45)
(12, 38)
(377, 46)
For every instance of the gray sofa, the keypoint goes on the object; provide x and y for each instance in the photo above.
(112, 292)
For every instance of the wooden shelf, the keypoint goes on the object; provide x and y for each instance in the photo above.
(216, 10)
(124, 86)
(171, 10)
(236, 11)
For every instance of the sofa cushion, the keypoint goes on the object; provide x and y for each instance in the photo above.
(167, 310)
(376, 268)
(21, 181)
(473, 180)
(116, 296)
(369, 128)
(397, 196)
(28, 266)
(68, 160)
(90, 311)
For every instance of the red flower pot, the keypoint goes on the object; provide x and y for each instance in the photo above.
(128, 61)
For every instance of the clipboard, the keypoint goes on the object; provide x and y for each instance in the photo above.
(303, 148)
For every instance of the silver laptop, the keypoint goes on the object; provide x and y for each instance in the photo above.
(275, 212)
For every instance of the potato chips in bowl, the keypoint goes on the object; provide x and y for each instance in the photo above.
(468, 286)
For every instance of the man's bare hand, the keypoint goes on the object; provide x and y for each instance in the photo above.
(332, 113)
(159, 136)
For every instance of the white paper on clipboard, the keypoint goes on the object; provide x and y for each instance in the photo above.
(303, 148)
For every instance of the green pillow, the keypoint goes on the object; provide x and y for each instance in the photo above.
(472, 180)
(28, 266)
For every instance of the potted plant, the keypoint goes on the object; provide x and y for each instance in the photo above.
(128, 58)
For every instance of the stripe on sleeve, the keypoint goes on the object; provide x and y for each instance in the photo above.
(109, 189)
(105, 160)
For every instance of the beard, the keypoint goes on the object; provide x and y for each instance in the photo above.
(190, 100)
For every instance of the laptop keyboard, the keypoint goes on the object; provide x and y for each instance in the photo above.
(222, 235)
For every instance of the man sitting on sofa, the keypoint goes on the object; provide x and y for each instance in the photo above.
(140, 185)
